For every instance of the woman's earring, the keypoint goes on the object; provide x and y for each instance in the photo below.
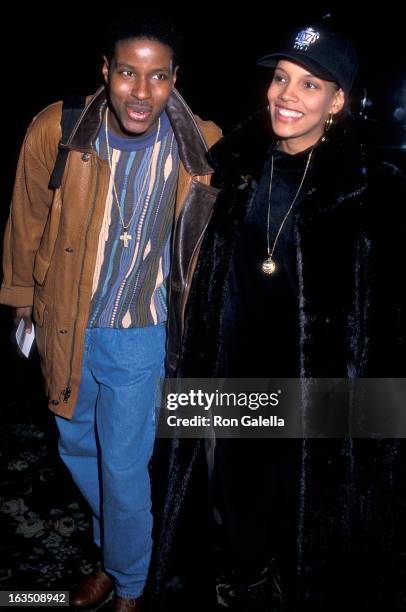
(327, 125)
(329, 122)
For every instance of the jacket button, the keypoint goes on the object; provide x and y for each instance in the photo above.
(69, 250)
(63, 331)
(55, 402)
(86, 157)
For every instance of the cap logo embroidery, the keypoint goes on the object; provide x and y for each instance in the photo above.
(305, 38)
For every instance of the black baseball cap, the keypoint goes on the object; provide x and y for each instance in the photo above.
(326, 52)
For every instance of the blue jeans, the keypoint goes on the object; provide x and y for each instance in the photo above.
(108, 444)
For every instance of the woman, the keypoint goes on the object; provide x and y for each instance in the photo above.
(293, 281)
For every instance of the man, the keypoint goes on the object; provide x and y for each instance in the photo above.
(92, 263)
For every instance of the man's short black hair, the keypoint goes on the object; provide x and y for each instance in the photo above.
(153, 25)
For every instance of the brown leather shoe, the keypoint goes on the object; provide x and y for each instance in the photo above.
(124, 604)
(93, 590)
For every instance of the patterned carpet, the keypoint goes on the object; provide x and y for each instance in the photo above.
(44, 524)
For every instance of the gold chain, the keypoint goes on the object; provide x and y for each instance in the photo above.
(269, 265)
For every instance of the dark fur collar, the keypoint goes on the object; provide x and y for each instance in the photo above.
(239, 157)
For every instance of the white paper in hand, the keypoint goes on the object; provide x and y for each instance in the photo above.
(24, 340)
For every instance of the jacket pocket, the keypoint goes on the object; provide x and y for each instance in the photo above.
(46, 249)
(40, 269)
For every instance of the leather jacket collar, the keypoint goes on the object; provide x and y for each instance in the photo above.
(191, 144)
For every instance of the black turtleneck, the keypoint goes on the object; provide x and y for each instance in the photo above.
(260, 323)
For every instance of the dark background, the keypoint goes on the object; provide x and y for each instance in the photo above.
(52, 50)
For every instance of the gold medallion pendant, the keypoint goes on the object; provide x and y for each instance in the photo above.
(269, 266)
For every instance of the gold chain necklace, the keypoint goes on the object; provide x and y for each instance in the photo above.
(125, 236)
(269, 265)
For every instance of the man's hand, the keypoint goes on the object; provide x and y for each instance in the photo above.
(23, 312)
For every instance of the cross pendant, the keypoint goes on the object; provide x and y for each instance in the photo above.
(125, 238)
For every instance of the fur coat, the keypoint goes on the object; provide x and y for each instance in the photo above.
(349, 234)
